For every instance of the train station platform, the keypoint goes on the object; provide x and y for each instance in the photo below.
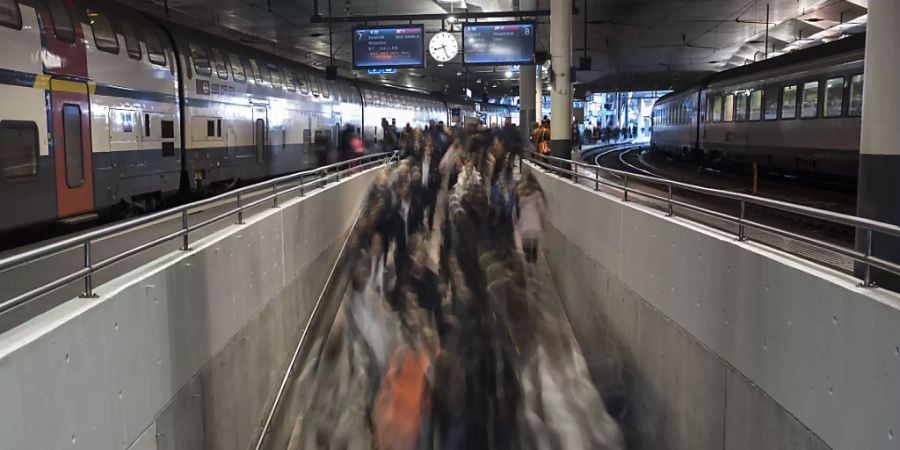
(694, 339)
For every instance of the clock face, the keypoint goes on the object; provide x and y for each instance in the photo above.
(443, 46)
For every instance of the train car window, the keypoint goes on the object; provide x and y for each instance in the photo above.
(10, 16)
(856, 96)
(260, 137)
(18, 149)
(314, 84)
(834, 97)
(201, 60)
(326, 89)
(728, 109)
(104, 37)
(302, 83)
(237, 68)
(154, 47)
(770, 104)
(72, 140)
(132, 44)
(789, 102)
(289, 81)
(219, 61)
(755, 104)
(810, 106)
(275, 74)
(257, 75)
(62, 21)
(740, 106)
(717, 108)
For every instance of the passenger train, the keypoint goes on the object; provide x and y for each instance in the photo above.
(105, 107)
(799, 112)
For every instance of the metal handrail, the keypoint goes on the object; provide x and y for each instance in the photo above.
(868, 226)
(85, 240)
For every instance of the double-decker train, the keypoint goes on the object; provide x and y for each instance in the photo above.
(103, 107)
(799, 112)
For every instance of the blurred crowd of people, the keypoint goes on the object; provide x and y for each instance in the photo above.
(448, 338)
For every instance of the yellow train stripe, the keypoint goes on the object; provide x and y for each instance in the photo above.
(77, 87)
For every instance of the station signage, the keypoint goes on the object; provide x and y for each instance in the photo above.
(498, 43)
(389, 47)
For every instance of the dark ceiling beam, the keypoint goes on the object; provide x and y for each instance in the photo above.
(316, 18)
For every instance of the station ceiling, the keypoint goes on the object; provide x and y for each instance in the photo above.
(633, 44)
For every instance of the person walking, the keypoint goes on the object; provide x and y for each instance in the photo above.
(530, 208)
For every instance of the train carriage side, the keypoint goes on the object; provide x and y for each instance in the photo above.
(399, 107)
(136, 137)
(803, 116)
(27, 167)
(675, 122)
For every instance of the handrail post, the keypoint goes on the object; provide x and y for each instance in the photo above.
(671, 210)
(302, 186)
(322, 173)
(240, 210)
(625, 188)
(274, 195)
(742, 236)
(597, 179)
(184, 227)
(867, 281)
(88, 278)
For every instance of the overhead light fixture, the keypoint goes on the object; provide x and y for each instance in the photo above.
(440, 65)
(459, 74)
(478, 81)
(452, 19)
(508, 74)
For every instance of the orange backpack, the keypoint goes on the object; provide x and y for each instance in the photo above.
(403, 398)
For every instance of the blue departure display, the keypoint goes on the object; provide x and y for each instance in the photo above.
(380, 47)
(498, 43)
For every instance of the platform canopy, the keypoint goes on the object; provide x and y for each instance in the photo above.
(632, 44)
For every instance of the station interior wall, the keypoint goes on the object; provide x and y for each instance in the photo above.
(714, 343)
(186, 352)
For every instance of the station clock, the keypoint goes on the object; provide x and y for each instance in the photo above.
(443, 46)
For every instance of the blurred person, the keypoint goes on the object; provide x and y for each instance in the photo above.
(530, 208)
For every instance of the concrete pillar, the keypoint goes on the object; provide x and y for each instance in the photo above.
(538, 93)
(879, 163)
(527, 89)
(561, 91)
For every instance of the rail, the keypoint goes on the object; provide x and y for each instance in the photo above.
(866, 227)
(274, 188)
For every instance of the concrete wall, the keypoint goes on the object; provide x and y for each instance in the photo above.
(719, 344)
(185, 352)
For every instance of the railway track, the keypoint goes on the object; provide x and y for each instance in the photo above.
(631, 158)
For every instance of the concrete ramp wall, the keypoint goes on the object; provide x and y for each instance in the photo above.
(719, 344)
(183, 353)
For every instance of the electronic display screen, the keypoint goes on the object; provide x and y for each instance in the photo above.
(382, 47)
(498, 43)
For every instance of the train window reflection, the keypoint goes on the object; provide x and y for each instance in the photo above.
(219, 61)
(289, 81)
(257, 75)
(834, 97)
(856, 96)
(755, 104)
(18, 149)
(303, 83)
(729, 108)
(771, 103)
(62, 21)
(717, 108)
(74, 156)
(10, 16)
(201, 60)
(810, 107)
(131, 40)
(104, 37)
(789, 102)
(740, 106)
(154, 48)
(237, 68)
(276, 77)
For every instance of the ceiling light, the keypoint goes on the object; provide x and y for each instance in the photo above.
(508, 74)
(459, 74)
(478, 81)
(451, 19)
(440, 64)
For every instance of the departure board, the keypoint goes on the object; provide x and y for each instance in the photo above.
(498, 43)
(384, 47)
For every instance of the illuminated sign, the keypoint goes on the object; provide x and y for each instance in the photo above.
(389, 47)
(498, 43)
(382, 71)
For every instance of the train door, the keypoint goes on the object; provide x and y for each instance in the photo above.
(260, 132)
(336, 137)
(72, 146)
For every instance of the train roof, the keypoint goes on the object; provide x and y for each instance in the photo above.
(849, 44)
